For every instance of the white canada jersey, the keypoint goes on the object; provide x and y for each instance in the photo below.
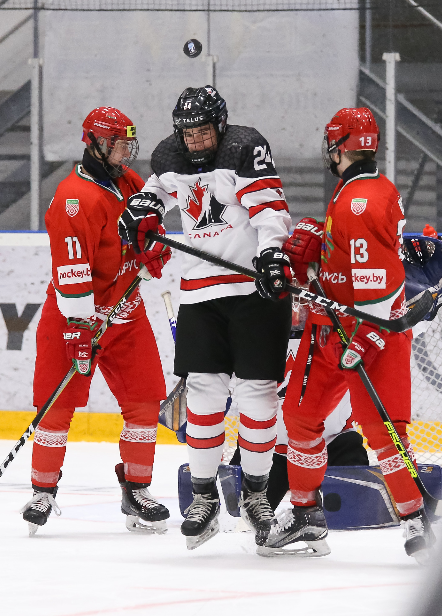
(233, 208)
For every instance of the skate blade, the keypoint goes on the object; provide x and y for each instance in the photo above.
(194, 542)
(32, 528)
(422, 557)
(134, 525)
(313, 549)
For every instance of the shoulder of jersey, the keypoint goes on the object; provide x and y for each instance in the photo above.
(75, 188)
(166, 158)
(236, 139)
(368, 195)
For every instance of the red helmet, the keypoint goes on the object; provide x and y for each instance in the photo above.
(352, 129)
(103, 128)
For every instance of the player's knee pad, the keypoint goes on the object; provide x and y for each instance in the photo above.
(207, 393)
(58, 420)
(256, 399)
(141, 413)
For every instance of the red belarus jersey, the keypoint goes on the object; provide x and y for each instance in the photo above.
(361, 256)
(91, 268)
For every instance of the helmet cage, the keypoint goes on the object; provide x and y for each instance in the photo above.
(196, 108)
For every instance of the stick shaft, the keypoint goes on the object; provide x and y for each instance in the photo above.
(397, 325)
(170, 314)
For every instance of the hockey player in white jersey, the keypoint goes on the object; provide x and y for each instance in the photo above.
(232, 205)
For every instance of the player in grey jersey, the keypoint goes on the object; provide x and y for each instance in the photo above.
(232, 205)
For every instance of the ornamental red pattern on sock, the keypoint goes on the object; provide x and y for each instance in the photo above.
(306, 467)
(47, 457)
(400, 483)
(137, 450)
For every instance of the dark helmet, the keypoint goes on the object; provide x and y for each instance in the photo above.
(423, 270)
(196, 107)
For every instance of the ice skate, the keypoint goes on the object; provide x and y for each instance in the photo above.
(39, 508)
(138, 504)
(201, 523)
(256, 511)
(306, 524)
(419, 537)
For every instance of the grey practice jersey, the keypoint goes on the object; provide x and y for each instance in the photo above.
(234, 207)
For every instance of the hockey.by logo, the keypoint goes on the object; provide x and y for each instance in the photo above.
(369, 278)
(74, 274)
(203, 208)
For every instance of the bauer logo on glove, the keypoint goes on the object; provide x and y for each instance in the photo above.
(304, 247)
(78, 338)
(364, 346)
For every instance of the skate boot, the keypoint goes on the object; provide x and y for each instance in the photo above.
(305, 524)
(39, 508)
(419, 537)
(201, 523)
(255, 509)
(137, 502)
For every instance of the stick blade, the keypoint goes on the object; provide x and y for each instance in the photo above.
(416, 313)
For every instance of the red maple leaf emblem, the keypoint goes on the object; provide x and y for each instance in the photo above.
(195, 205)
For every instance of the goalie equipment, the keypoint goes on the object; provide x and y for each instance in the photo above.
(198, 107)
(306, 524)
(113, 137)
(255, 509)
(137, 502)
(201, 523)
(143, 213)
(423, 270)
(419, 537)
(39, 508)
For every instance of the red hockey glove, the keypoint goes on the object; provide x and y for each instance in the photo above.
(144, 212)
(364, 345)
(274, 266)
(78, 336)
(304, 246)
(156, 257)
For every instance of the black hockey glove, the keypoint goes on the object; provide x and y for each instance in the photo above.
(274, 266)
(144, 212)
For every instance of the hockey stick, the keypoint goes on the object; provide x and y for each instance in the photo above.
(413, 316)
(143, 274)
(174, 409)
(434, 505)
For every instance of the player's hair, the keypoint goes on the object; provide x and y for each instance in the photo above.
(355, 155)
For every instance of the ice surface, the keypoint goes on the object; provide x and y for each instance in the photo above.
(85, 562)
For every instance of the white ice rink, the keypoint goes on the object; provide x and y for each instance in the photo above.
(85, 562)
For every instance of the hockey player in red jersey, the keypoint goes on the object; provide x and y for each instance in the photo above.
(360, 266)
(225, 183)
(91, 269)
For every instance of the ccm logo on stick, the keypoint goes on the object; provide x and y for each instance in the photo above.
(73, 274)
(369, 278)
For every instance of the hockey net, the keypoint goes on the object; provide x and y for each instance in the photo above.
(425, 429)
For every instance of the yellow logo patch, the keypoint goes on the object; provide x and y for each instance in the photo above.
(131, 131)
